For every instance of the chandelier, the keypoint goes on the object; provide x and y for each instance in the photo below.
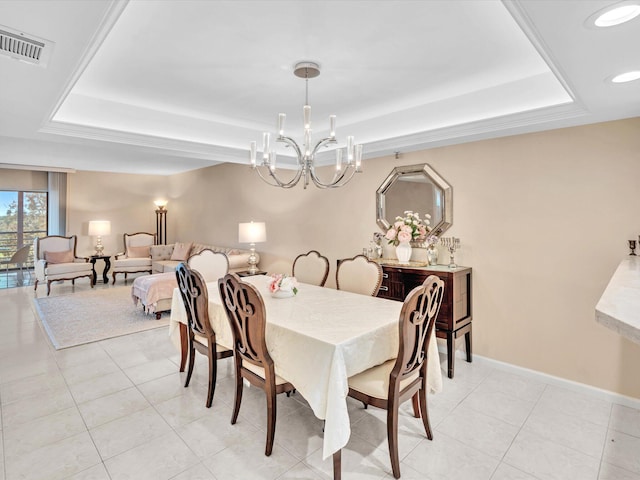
(306, 154)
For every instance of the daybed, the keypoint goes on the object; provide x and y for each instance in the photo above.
(155, 291)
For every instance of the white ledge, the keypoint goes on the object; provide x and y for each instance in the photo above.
(619, 305)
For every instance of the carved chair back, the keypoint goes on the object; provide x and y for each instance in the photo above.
(53, 243)
(211, 265)
(311, 268)
(196, 301)
(359, 275)
(417, 319)
(247, 318)
(137, 240)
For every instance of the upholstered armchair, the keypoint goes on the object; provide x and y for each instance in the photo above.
(55, 259)
(136, 257)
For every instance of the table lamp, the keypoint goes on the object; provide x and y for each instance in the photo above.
(98, 228)
(252, 233)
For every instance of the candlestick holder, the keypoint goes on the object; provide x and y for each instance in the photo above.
(451, 244)
(632, 247)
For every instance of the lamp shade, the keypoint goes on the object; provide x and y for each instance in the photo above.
(252, 232)
(99, 227)
(160, 203)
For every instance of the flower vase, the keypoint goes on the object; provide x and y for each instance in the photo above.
(403, 252)
(432, 255)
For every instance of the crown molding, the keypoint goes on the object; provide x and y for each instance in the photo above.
(524, 122)
(170, 146)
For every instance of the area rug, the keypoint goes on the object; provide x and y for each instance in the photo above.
(86, 317)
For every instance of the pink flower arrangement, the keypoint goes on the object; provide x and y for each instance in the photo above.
(283, 282)
(410, 228)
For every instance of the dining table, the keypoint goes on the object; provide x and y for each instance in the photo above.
(317, 340)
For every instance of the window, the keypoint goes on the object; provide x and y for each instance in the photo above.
(23, 216)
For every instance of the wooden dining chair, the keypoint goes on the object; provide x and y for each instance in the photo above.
(211, 265)
(311, 267)
(246, 314)
(389, 385)
(359, 275)
(201, 335)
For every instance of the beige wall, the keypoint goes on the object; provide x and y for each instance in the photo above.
(543, 219)
(125, 200)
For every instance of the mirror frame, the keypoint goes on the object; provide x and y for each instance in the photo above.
(430, 174)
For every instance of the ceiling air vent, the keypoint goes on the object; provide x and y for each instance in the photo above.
(27, 48)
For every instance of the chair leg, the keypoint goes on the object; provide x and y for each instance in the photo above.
(416, 406)
(48, 287)
(424, 412)
(35, 285)
(271, 418)
(392, 437)
(113, 275)
(192, 354)
(213, 371)
(184, 345)
(238, 394)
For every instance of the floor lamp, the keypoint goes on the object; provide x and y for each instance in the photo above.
(161, 222)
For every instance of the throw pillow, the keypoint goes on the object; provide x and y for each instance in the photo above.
(59, 257)
(138, 252)
(181, 251)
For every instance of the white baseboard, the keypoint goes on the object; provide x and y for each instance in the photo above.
(546, 378)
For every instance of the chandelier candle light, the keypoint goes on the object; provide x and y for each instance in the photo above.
(306, 155)
(97, 228)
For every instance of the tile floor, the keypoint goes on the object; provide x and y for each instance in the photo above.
(117, 409)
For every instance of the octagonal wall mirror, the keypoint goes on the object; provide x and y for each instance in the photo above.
(417, 188)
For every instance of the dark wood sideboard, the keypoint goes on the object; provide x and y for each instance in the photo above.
(454, 318)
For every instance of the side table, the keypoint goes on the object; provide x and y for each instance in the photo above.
(107, 266)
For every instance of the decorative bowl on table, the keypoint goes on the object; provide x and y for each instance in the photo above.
(283, 294)
(283, 286)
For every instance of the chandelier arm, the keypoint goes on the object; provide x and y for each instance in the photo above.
(338, 180)
(265, 179)
(322, 143)
(293, 144)
(291, 183)
(276, 181)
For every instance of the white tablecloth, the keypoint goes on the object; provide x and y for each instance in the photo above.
(317, 340)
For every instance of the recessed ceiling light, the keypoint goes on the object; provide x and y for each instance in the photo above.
(616, 14)
(626, 77)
